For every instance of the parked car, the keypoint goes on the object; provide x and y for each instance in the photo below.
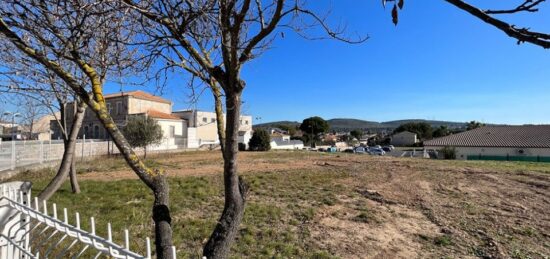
(378, 147)
(391, 147)
(387, 149)
(360, 150)
(349, 150)
(331, 150)
(377, 151)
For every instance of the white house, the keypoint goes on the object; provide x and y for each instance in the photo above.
(201, 127)
(404, 138)
(283, 141)
(513, 143)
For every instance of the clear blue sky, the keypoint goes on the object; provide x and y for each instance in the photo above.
(438, 63)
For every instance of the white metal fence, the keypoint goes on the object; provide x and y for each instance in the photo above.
(17, 154)
(30, 231)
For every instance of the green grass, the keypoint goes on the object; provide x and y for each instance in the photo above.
(273, 227)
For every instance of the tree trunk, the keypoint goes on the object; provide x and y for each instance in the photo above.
(68, 156)
(75, 187)
(216, 92)
(154, 179)
(162, 219)
(219, 244)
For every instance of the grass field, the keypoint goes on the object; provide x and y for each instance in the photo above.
(314, 205)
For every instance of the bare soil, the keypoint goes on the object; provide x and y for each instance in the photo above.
(402, 207)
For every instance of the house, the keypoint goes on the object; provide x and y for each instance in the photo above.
(41, 128)
(405, 138)
(181, 129)
(282, 141)
(201, 127)
(121, 106)
(521, 143)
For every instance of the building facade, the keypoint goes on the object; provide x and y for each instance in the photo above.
(202, 127)
(404, 138)
(181, 129)
(505, 143)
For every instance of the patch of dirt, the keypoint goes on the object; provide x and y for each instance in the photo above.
(383, 231)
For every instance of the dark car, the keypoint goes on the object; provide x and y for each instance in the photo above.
(387, 149)
(349, 150)
(360, 150)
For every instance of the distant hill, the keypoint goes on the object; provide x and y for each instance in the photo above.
(346, 124)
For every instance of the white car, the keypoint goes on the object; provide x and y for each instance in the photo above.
(377, 151)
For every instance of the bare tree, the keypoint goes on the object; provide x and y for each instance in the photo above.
(212, 40)
(36, 88)
(524, 34)
(88, 35)
(31, 111)
(489, 16)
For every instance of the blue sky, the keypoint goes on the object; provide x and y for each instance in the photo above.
(438, 63)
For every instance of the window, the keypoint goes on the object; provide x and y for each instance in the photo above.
(246, 122)
(172, 131)
(213, 120)
(96, 131)
(118, 108)
(109, 108)
(204, 119)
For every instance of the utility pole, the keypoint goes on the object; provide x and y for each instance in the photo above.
(13, 115)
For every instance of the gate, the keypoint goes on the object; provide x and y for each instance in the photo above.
(27, 230)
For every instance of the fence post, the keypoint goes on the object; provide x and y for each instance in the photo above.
(12, 154)
(82, 153)
(41, 151)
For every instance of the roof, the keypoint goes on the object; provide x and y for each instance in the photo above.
(277, 134)
(161, 115)
(534, 136)
(404, 133)
(139, 95)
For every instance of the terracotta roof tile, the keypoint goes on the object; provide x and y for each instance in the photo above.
(534, 136)
(139, 95)
(161, 115)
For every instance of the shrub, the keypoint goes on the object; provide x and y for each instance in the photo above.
(260, 141)
(448, 152)
(242, 147)
(142, 131)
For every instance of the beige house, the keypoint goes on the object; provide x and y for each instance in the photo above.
(202, 127)
(507, 143)
(123, 105)
(181, 129)
(404, 138)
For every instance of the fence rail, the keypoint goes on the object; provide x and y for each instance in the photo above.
(17, 154)
(29, 231)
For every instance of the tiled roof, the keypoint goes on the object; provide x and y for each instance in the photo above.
(161, 115)
(535, 136)
(139, 95)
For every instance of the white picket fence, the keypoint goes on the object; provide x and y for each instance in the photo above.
(28, 231)
(17, 154)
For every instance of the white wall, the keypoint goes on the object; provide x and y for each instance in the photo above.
(291, 144)
(464, 152)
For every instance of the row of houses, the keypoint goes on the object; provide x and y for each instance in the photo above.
(181, 129)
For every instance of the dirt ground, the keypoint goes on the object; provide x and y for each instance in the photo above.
(406, 208)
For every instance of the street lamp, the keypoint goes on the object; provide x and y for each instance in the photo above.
(13, 115)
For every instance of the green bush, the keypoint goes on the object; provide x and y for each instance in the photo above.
(260, 141)
(449, 152)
